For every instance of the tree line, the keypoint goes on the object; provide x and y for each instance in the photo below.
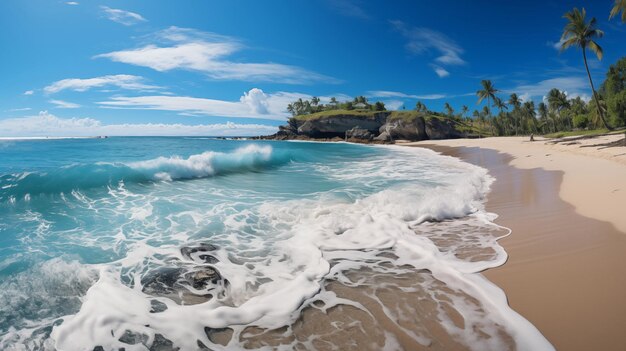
(305, 107)
(605, 109)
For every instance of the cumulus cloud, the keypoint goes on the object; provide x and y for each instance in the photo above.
(64, 104)
(126, 18)
(122, 81)
(73, 3)
(252, 104)
(425, 40)
(388, 94)
(187, 49)
(46, 124)
(256, 99)
(29, 92)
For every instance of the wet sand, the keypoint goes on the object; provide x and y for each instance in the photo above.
(566, 273)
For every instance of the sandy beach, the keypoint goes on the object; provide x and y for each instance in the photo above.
(566, 271)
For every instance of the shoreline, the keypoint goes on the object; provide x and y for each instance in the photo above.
(566, 271)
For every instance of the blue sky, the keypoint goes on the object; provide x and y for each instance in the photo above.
(230, 67)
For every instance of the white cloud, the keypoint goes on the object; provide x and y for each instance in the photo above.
(253, 104)
(556, 45)
(126, 18)
(525, 97)
(574, 86)
(423, 40)
(73, 3)
(20, 109)
(123, 81)
(29, 92)
(393, 104)
(46, 124)
(64, 104)
(441, 72)
(384, 94)
(192, 50)
(256, 99)
(350, 8)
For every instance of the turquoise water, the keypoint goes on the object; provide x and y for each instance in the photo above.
(87, 224)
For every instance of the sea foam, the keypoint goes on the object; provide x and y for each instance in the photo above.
(398, 222)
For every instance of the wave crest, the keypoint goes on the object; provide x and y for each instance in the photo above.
(86, 176)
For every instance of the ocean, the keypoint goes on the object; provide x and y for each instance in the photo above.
(165, 243)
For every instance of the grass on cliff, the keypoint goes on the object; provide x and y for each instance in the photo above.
(393, 115)
(330, 113)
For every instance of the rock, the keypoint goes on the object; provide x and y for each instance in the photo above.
(338, 125)
(359, 133)
(184, 285)
(384, 136)
(413, 129)
(441, 129)
(157, 306)
(200, 253)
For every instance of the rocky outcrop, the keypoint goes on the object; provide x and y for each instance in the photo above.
(396, 129)
(359, 134)
(376, 127)
(442, 129)
(338, 125)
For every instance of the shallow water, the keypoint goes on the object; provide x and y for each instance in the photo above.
(201, 243)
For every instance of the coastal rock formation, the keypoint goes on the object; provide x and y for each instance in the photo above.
(395, 129)
(442, 129)
(373, 127)
(359, 133)
(337, 125)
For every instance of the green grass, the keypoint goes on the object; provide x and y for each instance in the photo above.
(330, 113)
(577, 133)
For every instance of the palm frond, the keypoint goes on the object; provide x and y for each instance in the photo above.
(593, 46)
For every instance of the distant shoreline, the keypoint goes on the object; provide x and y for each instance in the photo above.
(52, 137)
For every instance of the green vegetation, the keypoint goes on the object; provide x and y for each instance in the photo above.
(307, 107)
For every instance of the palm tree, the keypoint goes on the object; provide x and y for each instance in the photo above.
(542, 108)
(449, 109)
(487, 92)
(579, 32)
(315, 100)
(620, 5)
(420, 107)
(464, 110)
(499, 104)
(557, 102)
(515, 101)
(530, 116)
(291, 109)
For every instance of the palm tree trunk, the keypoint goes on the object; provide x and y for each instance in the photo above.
(595, 95)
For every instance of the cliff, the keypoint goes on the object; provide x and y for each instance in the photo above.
(374, 126)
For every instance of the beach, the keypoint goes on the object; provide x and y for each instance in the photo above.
(566, 271)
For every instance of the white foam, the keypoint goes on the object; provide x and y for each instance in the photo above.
(272, 277)
(205, 164)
